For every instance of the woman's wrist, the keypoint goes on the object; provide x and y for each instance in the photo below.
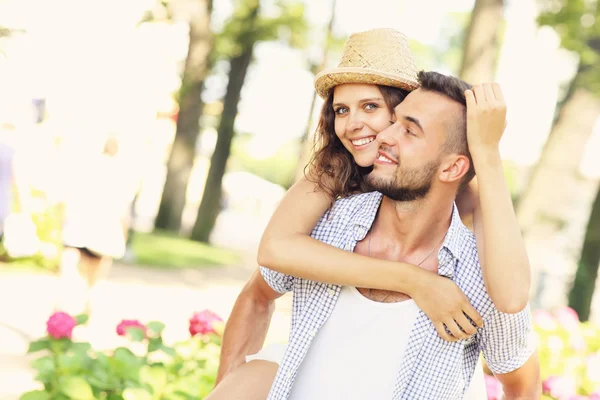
(485, 156)
(417, 281)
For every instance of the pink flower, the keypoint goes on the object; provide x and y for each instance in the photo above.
(567, 318)
(203, 322)
(560, 387)
(129, 323)
(493, 388)
(60, 325)
(595, 396)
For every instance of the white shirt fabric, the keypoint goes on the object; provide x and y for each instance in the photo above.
(358, 352)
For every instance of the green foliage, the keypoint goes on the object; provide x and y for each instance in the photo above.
(240, 32)
(576, 21)
(73, 370)
(165, 250)
(278, 168)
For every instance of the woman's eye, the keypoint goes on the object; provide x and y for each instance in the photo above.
(371, 106)
(341, 110)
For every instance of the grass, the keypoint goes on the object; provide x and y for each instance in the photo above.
(165, 250)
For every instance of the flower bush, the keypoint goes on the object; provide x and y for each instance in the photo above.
(155, 371)
(569, 354)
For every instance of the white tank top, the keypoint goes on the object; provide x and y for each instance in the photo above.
(360, 365)
(363, 364)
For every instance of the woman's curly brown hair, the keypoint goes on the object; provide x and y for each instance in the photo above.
(332, 167)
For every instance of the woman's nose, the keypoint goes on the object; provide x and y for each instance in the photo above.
(355, 123)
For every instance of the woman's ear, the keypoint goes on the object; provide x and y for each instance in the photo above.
(454, 167)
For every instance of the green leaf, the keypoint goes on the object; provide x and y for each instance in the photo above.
(154, 344)
(80, 348)
(169, 350)
(82, 319)
(135, 334)
(44, 365)
(156, 327)
(42, 344)
(156, 377)
(75, 387)
(125, 364)
(35, 395)
(136, 394)
(70, 364)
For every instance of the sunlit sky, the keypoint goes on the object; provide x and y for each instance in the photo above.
(89, 55)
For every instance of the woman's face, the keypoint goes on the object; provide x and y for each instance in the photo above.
(360, 114)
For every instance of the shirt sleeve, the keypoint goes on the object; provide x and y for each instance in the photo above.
(507, 340)
(279, 282)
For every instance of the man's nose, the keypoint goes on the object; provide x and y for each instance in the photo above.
(386, 136)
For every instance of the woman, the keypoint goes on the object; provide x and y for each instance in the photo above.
(354, 112)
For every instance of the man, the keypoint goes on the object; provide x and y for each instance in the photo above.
(347, 344)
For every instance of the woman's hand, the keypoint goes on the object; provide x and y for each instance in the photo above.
(486, 117)
(447, 307)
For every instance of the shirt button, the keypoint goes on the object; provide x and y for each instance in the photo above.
(313, 333)
(331, 292)
(288, 376)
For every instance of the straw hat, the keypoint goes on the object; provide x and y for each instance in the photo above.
(377, 57)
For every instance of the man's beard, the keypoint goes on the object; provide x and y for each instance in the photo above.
(407, 184)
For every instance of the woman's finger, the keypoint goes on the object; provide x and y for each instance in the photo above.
(465, 324)
(441, 330)
(489, 93)
(472, 313)
(455, 329)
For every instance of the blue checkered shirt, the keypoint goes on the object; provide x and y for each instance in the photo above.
(432, 368)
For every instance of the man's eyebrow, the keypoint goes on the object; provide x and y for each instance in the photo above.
(414, 121)
(362, 101)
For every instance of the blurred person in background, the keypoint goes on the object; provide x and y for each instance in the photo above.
(96, 198)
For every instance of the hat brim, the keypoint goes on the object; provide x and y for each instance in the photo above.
(328, 79)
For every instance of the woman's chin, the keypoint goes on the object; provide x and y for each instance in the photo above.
(365, 160)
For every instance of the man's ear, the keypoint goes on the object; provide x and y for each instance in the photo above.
(454, 167)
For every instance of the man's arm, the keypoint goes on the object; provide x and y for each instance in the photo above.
(248, 323)
(524, 383)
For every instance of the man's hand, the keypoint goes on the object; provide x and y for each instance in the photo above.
(486, 117)
(447, 307)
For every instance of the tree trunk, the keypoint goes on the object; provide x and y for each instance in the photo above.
(482, 41)
(210, 206)
(181, 159)
(580, 296)
(555, 179)
(549, 210)
(306, 143)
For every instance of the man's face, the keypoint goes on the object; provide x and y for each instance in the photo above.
(411, 150)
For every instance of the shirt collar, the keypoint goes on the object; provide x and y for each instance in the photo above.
(453, 241)
(455, 236)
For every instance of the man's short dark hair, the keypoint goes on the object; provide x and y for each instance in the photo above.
(454, 88)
